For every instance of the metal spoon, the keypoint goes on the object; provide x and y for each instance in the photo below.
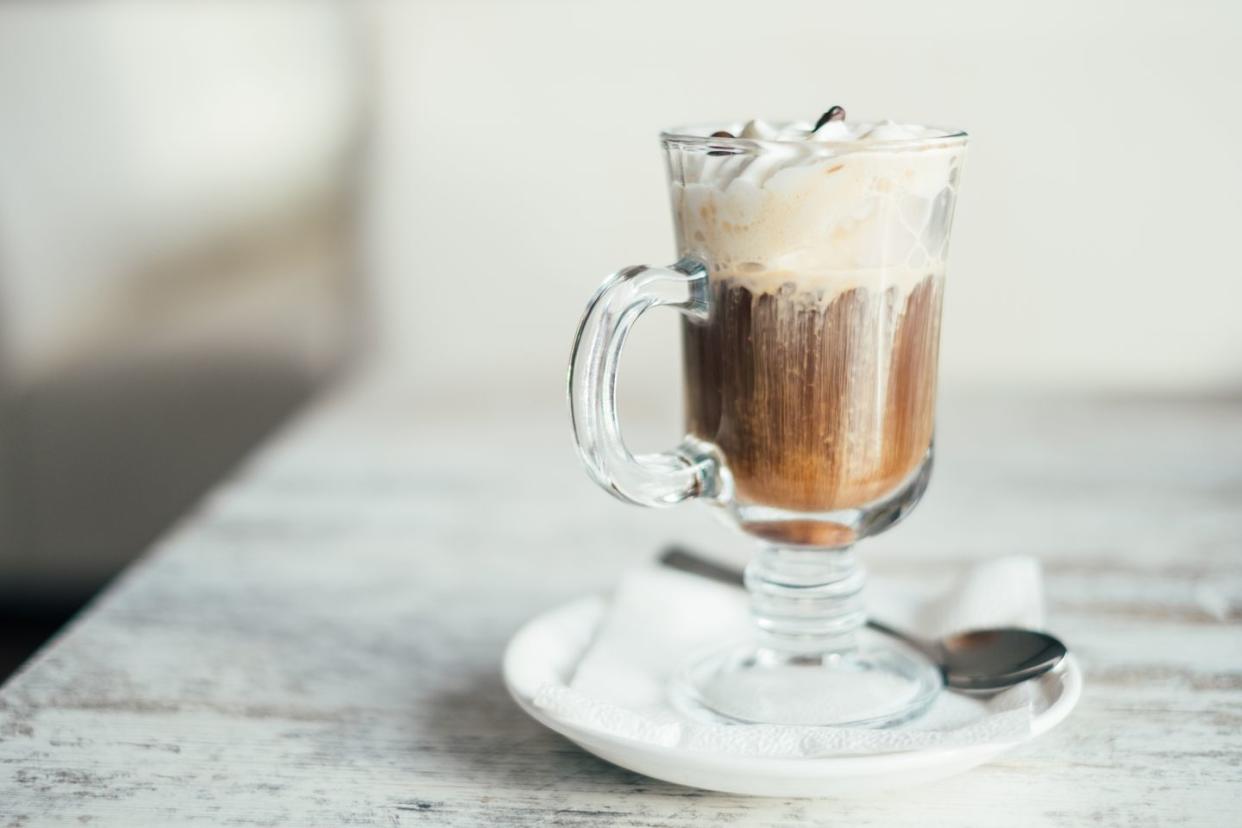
(974, 661)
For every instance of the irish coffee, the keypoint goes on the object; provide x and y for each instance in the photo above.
(814, 373)
(816, 404)
(810, 280)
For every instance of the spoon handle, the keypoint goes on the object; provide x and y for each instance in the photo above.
(683, 560)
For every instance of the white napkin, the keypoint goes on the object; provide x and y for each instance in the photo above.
(659, 617)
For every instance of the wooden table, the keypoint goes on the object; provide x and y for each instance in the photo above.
(318, 644)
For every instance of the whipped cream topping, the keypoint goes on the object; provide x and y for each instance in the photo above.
(823, 216)
(832, 131)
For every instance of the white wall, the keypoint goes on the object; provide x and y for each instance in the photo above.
(1096, 242)
(132, 132)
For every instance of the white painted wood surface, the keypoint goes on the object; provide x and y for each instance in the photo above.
(319, 643)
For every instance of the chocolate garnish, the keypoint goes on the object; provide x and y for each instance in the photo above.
(722, 134)
(837, 113)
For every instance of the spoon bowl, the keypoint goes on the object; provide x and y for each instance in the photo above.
(993, 659)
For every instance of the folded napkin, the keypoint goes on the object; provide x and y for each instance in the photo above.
(659, 618)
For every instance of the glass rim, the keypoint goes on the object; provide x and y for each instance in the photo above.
(684, 137)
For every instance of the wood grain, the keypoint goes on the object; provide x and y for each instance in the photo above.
(318, 644)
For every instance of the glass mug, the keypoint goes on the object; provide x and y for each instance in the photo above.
(809, 285)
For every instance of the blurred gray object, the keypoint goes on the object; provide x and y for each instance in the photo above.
(177, 240)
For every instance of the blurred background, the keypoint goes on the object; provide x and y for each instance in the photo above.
(210, 210)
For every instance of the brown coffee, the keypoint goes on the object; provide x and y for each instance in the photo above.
(817, 402)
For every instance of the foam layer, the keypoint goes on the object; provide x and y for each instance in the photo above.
(833, 131)
(812, 211)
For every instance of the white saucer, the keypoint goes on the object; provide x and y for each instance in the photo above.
(548, 647)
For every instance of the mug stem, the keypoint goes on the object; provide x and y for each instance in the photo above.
(810, 662)
(806, 603)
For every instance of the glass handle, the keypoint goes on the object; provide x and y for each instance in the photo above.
(646, 479)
